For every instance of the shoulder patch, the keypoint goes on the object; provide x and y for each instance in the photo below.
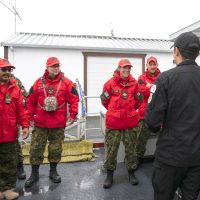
(104, 96)
(31, 90)
(74, 91)
(19, 83)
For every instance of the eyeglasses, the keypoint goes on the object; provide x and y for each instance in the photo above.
(6, 69)
(55, 66)
(127, 67)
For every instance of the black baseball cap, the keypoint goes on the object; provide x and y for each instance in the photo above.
(187, 42)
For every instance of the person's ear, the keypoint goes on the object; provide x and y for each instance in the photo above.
(176, 52)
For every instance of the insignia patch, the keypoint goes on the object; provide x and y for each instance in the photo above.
(124, 83)
(115, 91)
(124, 94)
(140, 82)
(153, 88)
(50, 89)
(42, 87)
(140, 96)
(104, 96)
(31, 90)
(8, 99)
(74, 91)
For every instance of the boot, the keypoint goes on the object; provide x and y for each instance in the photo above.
(20, 171)
(132, 179)
(109, 179)
(53, 174)
(1, 196)
(34, 176)
(10, 194)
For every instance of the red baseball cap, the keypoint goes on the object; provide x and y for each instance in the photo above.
(52, 61)
(124, 62)
(152, 59)
(5, 63)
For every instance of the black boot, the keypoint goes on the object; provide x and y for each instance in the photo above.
(53, 174)
(34, 176)
(133, 180)
(109, 179)
(21, 174)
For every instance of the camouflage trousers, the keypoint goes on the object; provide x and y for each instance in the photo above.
(112, 142)
(55, 136)
(142, 136)
(8, 166)
(20, 156)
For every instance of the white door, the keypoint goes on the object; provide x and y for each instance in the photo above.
(101, 69)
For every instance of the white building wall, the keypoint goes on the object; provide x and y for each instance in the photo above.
(30, 63)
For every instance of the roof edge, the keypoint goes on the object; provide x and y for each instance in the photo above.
(191, 27)
(87, 48)
(85, 36)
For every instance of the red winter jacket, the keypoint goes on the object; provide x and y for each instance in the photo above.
(142, 81)
(119, 97)
(67, 94)
(12, 111)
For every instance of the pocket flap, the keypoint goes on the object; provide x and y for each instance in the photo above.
(131, 113)
(113, 113)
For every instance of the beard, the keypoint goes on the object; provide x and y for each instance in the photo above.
(55, 73)
(5, 78)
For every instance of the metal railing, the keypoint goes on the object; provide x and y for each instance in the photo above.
(81, 122)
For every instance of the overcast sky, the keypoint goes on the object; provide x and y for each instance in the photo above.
(155, 19)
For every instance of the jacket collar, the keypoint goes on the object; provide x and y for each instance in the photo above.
(187, 62)
(125, 82)
(154, 76)
(57, 78)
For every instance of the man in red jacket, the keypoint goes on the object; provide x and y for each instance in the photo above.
(145, 82)
(120, 98)
(47, 110)
(21, 174)
(12, 113)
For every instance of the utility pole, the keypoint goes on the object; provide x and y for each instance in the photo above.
(15, 17)
(16, 14)
(13, 12)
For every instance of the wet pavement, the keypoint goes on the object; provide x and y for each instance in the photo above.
(84, 180)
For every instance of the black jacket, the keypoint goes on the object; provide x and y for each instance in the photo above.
(176, 105)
